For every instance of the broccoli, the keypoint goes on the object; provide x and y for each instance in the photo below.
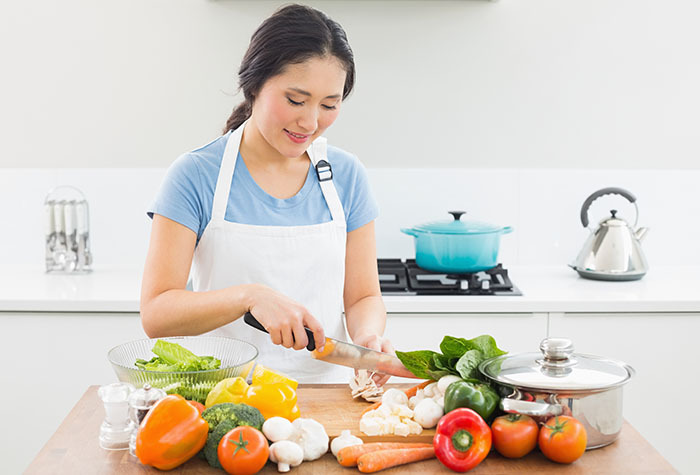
(248, 416)
(212, 445)
(241, 414)
(223, 418)
(219, 412)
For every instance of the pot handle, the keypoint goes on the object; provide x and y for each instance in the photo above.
(507, 229)
(606, 191)
(531, 408)
(409, 231)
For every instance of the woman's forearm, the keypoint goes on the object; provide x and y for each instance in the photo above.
(366, 317)
(183, 312)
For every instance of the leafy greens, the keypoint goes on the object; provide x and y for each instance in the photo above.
(459, 356)
(174, 357)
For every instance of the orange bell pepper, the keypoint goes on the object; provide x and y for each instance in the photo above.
(273, 399)
(171, 433)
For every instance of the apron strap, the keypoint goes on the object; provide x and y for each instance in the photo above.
(318, 155)
(319, 159)
(223, 182)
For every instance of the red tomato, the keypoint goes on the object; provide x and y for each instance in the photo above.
(514, 435)
(562, 439)
(243, 451)
(198, 405)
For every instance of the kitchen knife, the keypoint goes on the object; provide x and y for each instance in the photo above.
(346, 354)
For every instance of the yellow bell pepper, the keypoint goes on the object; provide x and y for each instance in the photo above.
(273, 399)
(227, 390)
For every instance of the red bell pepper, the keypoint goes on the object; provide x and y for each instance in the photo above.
(462, 440)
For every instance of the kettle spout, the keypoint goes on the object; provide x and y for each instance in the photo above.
(640, 233)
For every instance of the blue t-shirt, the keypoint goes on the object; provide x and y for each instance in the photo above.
(187, 193)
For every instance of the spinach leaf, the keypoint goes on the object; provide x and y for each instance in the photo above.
(468, 364)
(453, 347)
(487, 345)
(441, 367)
(418, 362)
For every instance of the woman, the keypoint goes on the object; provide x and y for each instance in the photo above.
(263, 220)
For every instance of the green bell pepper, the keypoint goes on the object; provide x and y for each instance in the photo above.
(473, 394)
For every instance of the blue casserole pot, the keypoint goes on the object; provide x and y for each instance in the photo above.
(457, 246)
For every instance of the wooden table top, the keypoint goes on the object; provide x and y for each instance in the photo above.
(74, 448)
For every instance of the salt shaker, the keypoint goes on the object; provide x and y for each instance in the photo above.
(116, 428)
(140, 402)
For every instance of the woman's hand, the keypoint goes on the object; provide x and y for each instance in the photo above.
(377, 343)
(284, 318)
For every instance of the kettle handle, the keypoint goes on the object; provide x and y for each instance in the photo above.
(606, 191)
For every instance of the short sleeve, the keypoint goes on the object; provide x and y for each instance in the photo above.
(359, 204)
(179, 196)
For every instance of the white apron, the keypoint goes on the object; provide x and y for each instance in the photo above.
(305, 263)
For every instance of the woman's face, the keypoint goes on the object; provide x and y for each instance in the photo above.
(295, 107)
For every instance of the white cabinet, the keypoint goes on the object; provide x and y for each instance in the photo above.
(513, 332)
(661, 400)
(49, 360)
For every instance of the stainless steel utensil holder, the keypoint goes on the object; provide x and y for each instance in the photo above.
(67, 231)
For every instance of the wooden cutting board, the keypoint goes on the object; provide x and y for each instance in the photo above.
(333, 406)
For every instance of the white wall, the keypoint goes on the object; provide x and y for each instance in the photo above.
(594, 84)
(542, 205)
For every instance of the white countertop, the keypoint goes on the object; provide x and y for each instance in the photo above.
(545, 289)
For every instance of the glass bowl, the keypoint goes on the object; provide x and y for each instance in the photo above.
(237, 359)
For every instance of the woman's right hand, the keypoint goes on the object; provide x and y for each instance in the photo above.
(284, 319)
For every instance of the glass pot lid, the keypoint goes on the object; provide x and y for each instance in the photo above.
(457, 225)
(557, 368)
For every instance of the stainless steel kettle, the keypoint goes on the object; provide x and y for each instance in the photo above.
(613, 251)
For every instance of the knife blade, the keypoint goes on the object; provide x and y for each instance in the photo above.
(346, 354)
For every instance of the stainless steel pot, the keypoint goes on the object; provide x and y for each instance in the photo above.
(559, 382)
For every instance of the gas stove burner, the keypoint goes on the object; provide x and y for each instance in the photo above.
(397, 276)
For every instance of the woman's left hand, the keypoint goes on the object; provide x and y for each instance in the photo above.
(377, 343)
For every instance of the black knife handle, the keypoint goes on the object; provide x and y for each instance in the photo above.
(253, 322)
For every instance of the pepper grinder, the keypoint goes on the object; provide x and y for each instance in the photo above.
(140, 402)
(116, 428)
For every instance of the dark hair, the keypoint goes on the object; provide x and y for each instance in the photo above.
(292, 35)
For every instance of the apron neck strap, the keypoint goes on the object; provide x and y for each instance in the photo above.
(223, 182)
(318, 153)
(319, 159)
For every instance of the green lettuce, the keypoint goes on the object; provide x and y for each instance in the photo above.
(174, 357)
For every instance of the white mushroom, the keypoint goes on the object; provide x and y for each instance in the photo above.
(286, 454)
(277, 428)
(311, 437)
(414, 400)
(440, 400)
(394, 397)
(445, 381)
(345, 439)
(429, 390)
(428, 413)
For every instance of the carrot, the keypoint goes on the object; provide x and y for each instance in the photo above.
(348, 456)
(410, 392)
(381, 459)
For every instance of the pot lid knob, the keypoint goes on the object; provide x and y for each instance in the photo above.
(613, 212)
(556, 349)
(457, 214)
